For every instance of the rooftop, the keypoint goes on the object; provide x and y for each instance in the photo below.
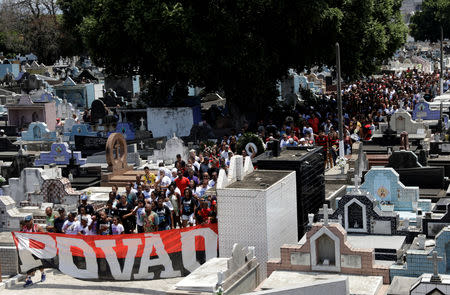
(289, 154)
(259, 179)
(374, 241)
(357, 284)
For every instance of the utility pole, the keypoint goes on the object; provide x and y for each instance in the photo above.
(441, 76)
(339, 102)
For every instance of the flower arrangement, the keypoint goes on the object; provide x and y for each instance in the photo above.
(2, 179)
(341, 162)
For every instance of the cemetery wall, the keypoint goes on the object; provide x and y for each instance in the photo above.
(8, 260)
(170, 121)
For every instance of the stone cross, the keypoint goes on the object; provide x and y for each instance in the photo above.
(142, 127)
(142, 145)
(325, 214)
(356, 180)
(435, 259)
(400, 105)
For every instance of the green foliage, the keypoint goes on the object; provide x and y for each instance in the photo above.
(240, 47)
(249, 137)
(426, 24)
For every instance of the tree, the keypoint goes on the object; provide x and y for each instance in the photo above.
(426, 24)
(32, 26)
(241, 47)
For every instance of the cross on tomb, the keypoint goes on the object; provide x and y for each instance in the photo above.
(142, 127)
(357, 181)
(325, 214)
(435, 259)
(117, 149)
(142, 145)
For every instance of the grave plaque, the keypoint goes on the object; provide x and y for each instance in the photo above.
(89, 145)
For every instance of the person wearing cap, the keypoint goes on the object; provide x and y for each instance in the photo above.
(148, 178)
(88, 207)
(59, 221)
(30, 227)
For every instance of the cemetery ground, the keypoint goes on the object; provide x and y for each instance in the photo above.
(60, 284)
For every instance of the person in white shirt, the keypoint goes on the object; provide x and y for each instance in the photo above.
(163, 180)
(213, 180)
(224, 151)
(174, 174)
(69, 225)
(284, 140)
(82, 226)
(116, 227)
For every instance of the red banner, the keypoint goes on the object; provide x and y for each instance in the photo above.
(161, 254)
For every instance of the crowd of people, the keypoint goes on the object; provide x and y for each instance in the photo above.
(365, 104)
(171, 199)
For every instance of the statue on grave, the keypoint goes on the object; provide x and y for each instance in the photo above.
(404, 141)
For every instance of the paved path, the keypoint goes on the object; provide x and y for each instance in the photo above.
(60, 284)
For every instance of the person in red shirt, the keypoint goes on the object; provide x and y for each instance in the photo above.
(202, 213)
(181, 181)
(314, 122)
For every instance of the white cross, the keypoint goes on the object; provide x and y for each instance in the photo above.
(142, 145)
(325, 214)
(435, 259)
(142, 127)
(356, 180)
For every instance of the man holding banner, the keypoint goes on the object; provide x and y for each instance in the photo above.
(29, 226)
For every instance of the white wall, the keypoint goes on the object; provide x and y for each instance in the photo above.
(167, 121)
(263, 218)
(281, 207)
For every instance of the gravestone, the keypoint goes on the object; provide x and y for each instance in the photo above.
(80, 130)
(116, 153)
(403, 159)
(68, 124)
(38, 131)
(417, 261)
(60, 154)
(126, 129)
(98, 110)
(422, 111)
(360, 213)
(173, 147)
(384, 185)
(89, 145)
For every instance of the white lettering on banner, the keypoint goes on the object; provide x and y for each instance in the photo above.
(163, 259)
(188, 246)
(25, 251)
(111, 257)
(66, 264)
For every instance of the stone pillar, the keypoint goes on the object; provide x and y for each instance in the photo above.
(421, 241)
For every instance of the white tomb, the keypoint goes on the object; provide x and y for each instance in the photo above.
(258, 211)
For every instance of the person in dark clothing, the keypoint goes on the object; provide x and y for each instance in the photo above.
(109, 210)
(59, 221)
(164, 216)
(88, 207)
(126, 213)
